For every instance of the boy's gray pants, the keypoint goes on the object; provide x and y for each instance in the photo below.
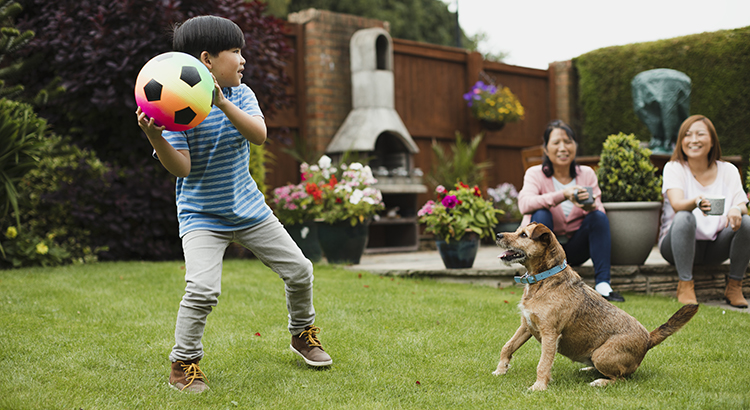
(204, 254)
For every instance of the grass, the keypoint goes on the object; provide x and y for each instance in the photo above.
(98, 336)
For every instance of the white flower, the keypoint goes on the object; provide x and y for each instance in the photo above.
(357, 196)
(314, 168)
(324, 162)
(355, 166)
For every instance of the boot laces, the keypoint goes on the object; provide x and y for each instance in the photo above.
(193, 373)
(309, 335)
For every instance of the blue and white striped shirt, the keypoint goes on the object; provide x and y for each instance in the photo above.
(219, 194)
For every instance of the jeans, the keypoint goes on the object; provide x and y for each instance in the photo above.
(680, 248)
(204, 254)
(591, 240)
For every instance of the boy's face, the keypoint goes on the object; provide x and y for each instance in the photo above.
(227, 67)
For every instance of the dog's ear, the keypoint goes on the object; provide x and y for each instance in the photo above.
(541, 233)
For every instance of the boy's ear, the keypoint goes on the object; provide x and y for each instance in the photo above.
(206, 59)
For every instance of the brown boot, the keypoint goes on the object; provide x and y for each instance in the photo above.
(733, 294)
(686, 292)
(308, 347)
(187, 376)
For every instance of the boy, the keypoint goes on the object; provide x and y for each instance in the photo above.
(218, 202)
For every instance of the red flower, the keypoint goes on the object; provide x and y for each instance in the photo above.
(314, 191)
(332, 183)
(477, 191)
(462, 185)
(338, 200)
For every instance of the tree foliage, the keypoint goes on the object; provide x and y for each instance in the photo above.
(429, 21)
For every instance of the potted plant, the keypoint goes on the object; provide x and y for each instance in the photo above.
(347, 204)
(631, 195)
(493, 106)
(505, 198)
(297, 206)
(459, 219)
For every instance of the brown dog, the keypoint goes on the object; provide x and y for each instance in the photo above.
(569, 317)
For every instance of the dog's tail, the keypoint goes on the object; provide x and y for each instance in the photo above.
(677, 321)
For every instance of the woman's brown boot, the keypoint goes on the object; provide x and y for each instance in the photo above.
(733, 294)
(686, 292)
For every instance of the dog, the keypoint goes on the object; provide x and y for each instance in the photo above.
(571, 318)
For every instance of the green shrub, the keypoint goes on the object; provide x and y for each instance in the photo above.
(20, 141)
(716, 63)
(625, 171)
(46, 218)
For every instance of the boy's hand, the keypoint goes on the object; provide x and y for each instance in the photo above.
(218, 99)
(147, 125)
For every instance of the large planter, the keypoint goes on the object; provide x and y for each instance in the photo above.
(341, 242)
(459, 254)
(306, 237)
(634, 227)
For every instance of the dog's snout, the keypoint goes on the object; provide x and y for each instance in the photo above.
(499, 236)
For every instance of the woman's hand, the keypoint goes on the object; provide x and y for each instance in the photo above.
(735, 218)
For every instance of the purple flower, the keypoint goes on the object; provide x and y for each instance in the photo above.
(450, 201)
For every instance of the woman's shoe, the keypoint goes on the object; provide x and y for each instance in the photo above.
(733, 294)
(686, 292)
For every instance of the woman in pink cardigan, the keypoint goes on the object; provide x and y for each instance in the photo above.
(554, 194)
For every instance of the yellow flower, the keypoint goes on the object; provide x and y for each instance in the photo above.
(11, 233)
(41, 248)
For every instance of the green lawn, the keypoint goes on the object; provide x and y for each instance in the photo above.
(98, 336)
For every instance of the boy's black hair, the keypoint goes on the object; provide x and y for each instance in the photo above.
(207, 33)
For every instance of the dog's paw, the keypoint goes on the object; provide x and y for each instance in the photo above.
(501, 369)
(588, 369)
(538, 386)
(601, 382)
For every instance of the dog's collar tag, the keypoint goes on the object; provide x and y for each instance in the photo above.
(526, 278)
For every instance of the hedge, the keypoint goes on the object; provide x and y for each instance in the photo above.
(718, 63)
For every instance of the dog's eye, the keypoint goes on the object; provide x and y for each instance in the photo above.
(523, 235)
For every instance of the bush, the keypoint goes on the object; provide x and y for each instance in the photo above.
(625, 171)
(97, 211)
(21, 135)
(716, 63)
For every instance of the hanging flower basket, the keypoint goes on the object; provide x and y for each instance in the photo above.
(493, 106)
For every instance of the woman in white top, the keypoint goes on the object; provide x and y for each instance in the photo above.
(688, 236)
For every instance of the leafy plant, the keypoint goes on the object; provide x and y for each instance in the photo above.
(295, 204)
(625, 171)
(21, 135)
(459, 165)
(345, 192)
(495, 104)
(25, 248)
(459, 211)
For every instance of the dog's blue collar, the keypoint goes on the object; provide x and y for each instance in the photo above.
(541, 276)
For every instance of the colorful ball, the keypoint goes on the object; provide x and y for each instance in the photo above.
(176, 90)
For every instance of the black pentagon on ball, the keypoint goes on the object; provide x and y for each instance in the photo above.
(184, 116)
(152, 90)
(190, 75)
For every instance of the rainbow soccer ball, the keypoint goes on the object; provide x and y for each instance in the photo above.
(176, 90)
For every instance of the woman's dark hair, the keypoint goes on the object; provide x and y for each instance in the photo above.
(547, 163)
(207, 33)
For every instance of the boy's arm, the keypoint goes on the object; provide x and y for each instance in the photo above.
(252, 127)
(176, 162)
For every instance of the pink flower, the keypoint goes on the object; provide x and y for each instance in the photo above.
(440, 189)
(427, 208)
(450, 201)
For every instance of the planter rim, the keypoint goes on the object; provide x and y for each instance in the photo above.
(632, 205)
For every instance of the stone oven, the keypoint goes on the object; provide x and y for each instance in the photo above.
(374, 130)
